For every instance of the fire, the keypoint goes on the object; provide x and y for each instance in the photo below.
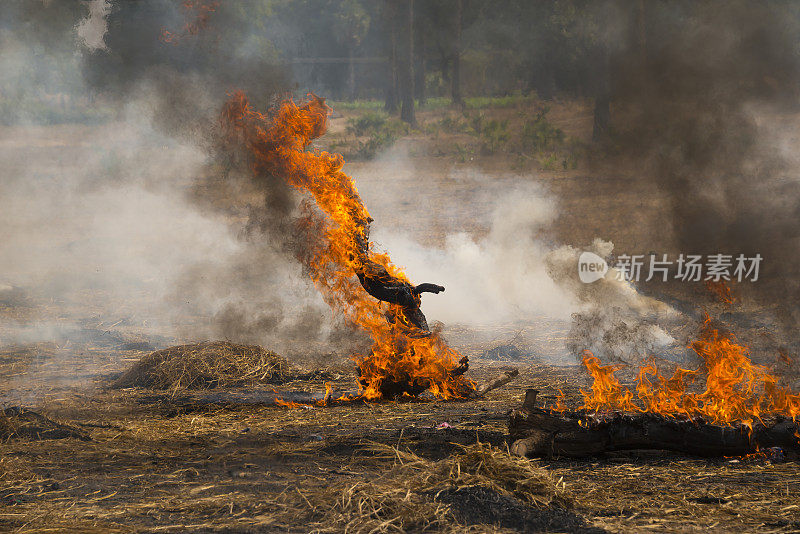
(291, 404)
(721, 290)
(736, 390)
(201, 13)
(277, 144)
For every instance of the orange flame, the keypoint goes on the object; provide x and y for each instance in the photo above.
(291, 404)
(784, 357)
(277, 144)
(721, 290)
(202, 14)
(736, 390)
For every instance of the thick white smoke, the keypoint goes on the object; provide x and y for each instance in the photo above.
(498, 261)
(92, 30)
(493, 278)
(103, 223)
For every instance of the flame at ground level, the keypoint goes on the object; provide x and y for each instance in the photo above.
(736, 390)
(277, 145)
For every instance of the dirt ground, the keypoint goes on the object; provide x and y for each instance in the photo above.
(152, 463)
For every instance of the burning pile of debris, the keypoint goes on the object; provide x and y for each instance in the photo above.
(740, 409)
(355, 279)
(407, 358)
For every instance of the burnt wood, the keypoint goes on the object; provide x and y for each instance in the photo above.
(380, 284)
(536, 432)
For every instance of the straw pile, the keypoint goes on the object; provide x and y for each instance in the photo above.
(480, 485)
(205, 365)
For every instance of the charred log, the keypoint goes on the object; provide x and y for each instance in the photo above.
(500, 381)
(379, 283)
(537, 432)
(398, 386)
(428, 288)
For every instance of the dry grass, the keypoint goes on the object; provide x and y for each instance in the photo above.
(16, 422)
(208, 364)
(418, 495)
(149, 468)
(7, 425)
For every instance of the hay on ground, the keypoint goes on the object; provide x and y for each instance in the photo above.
(21, 423)
(205, 365)
(480, 485)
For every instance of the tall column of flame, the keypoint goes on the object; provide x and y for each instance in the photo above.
(277, 144)
(736, 389)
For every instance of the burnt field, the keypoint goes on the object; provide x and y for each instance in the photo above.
(223, 456)
(150, 462)
(375, 267)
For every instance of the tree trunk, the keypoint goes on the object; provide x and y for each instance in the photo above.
(390, 25)
(602, 95)
(419, 70)
(456, 77)
(540, 432)
(407, 64)
(351, 75)
(641, 31)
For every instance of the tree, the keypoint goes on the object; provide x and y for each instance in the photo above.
(351, 23)
(390, 13)
(406, 64)
(420, 28)
(456, 77)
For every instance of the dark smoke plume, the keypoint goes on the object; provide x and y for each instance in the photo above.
(157, 95)
(701, 90)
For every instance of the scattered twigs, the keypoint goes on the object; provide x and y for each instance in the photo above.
(500, 381)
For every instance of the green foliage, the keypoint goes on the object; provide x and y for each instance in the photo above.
(465, 153)
(570, 160)
(357, 105)
(486, 102)
(366, 124)
(540, 134)
(456, 124)
(548, 161)
(492, 133)
(551, 148)
(442, 102)
(380, 132)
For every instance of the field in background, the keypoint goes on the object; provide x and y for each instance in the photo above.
(155, 464)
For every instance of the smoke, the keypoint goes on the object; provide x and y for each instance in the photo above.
(703, 107)
(163, 223)
(111, 226)
(615, 321)
(92, 30)
(146, 218)
(500, 264)
(227, 52)
(102, 214)
(497, 277)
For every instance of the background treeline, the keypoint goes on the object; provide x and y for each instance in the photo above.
(402, 52)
